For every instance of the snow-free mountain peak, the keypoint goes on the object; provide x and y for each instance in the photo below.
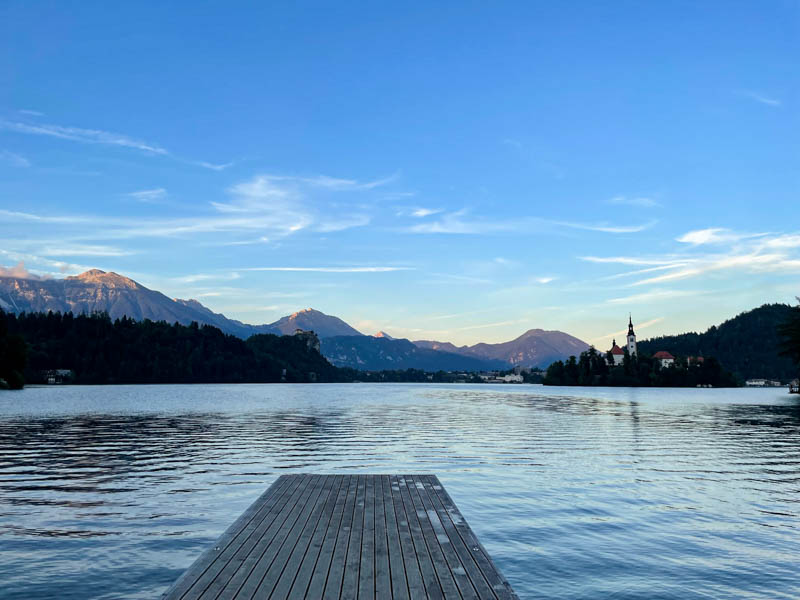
(310, 319)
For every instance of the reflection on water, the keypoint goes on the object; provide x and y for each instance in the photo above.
(110, 492)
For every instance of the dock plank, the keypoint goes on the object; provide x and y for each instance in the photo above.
(360, 537)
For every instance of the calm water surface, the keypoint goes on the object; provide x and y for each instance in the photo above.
(110, 492)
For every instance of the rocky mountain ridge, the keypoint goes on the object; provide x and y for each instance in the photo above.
(100, 291)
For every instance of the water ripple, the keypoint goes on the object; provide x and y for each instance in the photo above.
(110, 492)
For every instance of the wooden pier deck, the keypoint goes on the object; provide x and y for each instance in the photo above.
(346, 536)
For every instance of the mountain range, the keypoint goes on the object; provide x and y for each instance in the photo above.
(342, 344)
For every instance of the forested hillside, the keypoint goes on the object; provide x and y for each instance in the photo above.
(99, 350)
(748, 344)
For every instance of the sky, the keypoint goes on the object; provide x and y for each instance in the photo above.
(458, 171)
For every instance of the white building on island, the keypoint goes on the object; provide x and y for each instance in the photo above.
(617, 353)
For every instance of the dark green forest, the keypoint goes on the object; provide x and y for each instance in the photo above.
(764, 342)
(99, 351)
(789, 332)
(748, 345)
(13, 357)
(639, 370)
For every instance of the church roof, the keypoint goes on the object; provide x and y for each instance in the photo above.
(617, 350)
(661, 354)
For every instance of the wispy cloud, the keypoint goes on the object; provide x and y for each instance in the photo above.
(460, 223)
(152, 195)
(454, 278)
(212, 166)
(488, 325)
(30, 113)
(761, 98)
(640, 201)
(82, 250)
(638, 326)
(340, 224)
(735, 252)
(13, 159)
(654, 296)
(331, 269)
(97, 136)
(18, 271)
(418, 212)
(331, 183)
(608, 228)
(207, 277)
(78, 134)
(295, 203)
(715, 235)
(628, 260)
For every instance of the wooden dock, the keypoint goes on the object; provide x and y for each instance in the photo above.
(350, 537)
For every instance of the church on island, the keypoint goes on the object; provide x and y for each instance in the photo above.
(617, 353)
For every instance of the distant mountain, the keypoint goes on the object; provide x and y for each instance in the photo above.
(98, 291)
(318, 322)
(747, 344)
(379, 353)
(534, 348)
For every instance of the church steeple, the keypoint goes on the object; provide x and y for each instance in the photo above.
(631, 337)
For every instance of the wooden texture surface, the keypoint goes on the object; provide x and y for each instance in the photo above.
(350, 537)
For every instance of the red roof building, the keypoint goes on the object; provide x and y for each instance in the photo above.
(665, 357)
(617, 353)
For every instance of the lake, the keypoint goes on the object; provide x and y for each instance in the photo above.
(111, 492)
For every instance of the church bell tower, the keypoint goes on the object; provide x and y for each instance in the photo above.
(631, 337)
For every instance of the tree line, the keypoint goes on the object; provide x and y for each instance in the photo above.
(749, 344)
(100, 351)
(637, 370)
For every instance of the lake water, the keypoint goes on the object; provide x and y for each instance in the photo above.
(111, 492)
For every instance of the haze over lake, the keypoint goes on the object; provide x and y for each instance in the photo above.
(110, 492)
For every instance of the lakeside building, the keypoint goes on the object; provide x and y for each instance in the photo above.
(762, 383)
(665, 358)
(58, 376)
(311, 338)
(617, 353)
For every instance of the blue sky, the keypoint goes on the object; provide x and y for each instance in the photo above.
(456, 171)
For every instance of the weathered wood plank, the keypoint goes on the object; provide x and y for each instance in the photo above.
(333, 586)
(305, 571)
(433, 588)
(440, 565)
(465, 587)
(215, 559)
(383, 579)
(416, 587)
(322, 567)
(364, 537)
(353, 562)
(491, 574)
(246, 559)
(396, 567)
(366, 571)
(278, 580)
(289, 530)
(463, 551)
